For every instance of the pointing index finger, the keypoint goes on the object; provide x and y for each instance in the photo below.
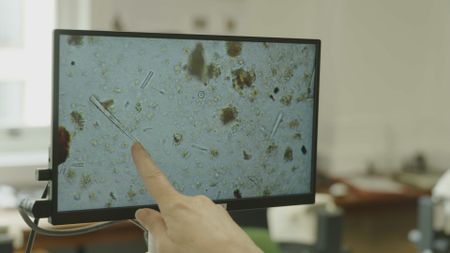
(155, 181)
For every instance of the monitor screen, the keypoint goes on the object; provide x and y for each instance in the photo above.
(232, 118)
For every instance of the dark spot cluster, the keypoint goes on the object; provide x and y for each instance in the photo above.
(275, 91)
(228, 114)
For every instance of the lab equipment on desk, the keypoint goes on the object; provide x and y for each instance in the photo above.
(6, 242)
(308, 228)
(432, 234)
(7, 197)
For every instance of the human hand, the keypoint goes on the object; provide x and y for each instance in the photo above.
(188, 224)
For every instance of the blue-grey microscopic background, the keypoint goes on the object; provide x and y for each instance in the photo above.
(178, 116)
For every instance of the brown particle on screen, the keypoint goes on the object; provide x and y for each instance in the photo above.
(246, 155)
(297, 136)
(75, 40)
(294, 123)
(286, 100)
(85, 180)
(131, 193)
(288, 154)
(271, 148)
(214, 152)
(237, 194)
(77, 119)
(108, 104)
(70, 175)
(234, 48)
(196, 63)
(288, 74)
(177, 138)
(138, 107)
(185, 154)
(62, 150)
(253, 95)
(274, 71)
(213, 71)
(243, 78)
(228, 114)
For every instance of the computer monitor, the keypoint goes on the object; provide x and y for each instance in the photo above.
(232, 118)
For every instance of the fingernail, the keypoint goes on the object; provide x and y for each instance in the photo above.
(139, 213)
(136, 146)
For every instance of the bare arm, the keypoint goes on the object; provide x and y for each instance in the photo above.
(186, 224)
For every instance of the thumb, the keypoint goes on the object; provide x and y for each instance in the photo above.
(153, 221)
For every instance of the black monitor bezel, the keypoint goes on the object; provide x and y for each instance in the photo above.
(119, 213)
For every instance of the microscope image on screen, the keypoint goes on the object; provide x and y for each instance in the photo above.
(227, 119)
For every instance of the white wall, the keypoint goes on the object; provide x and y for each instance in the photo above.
(385, 88)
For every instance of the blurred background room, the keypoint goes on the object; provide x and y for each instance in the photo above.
(384, 113)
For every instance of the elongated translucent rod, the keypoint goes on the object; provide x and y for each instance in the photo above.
(112, 118)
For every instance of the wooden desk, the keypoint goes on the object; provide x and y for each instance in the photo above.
(119, 233)
(379, 222)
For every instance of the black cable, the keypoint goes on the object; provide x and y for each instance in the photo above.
(35, 229)
(135, 222)
(64, 232)
(32, 236)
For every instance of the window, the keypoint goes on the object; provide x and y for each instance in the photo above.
(25, 80)
(25, 62)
